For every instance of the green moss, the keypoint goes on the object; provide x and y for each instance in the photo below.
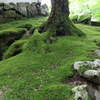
(39, 42)
(84, 68)
(6, 20)
(97, 40)
(31, 31)
(19, 74)
(74, 18)
(85, 19)
(14, 49)
(54, 92)
(27, 26)
(12, 31)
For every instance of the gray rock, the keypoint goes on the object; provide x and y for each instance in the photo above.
(91, 92)
(7, 6)
(21, 7)
(10, 14)
(97, 95)
(97, 52)
(80, 92)
(1, 4)
(27, 4)
(32, 10)
(77, 64)
(95, 64)
(13, 4)
(85, 92)
(1, 10)
(44, 10)
(94, 94)
(89, 70)
(92, 75)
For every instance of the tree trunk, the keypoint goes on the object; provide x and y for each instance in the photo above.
(58, 22)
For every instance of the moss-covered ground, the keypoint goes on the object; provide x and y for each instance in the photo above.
(31, 75)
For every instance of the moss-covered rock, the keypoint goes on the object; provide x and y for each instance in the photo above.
(86, 19)
(84, 68)
(89, 70)
(10, 14)
(74, 18)
(10, 35)
(14, 49)
(7, 37)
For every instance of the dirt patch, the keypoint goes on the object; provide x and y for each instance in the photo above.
(78, 80)
(1, 95)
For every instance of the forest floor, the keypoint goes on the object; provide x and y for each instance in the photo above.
(41, 76)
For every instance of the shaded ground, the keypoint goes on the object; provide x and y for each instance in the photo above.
(78, 80)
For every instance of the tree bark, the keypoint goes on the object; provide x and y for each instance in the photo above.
(58, 22)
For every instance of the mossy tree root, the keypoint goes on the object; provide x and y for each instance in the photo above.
(58, 22)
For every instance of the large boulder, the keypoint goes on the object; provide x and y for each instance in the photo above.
(32, 10)
(7, 6)
(89, 70)
(44, 10)
(21, 10)
(13, 4)
(10, 14)
(27, 4)
(21, 7)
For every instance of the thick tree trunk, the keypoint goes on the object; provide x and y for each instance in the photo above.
(58, 22)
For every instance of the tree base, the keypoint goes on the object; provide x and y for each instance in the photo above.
(62, 27)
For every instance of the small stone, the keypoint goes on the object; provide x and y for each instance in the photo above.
(97, 52)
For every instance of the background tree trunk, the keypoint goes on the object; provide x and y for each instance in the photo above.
(58, 22)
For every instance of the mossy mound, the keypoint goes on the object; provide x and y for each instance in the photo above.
(7, 37)
(74, 18)
(86, 19)
(27, 26)
(38, 42)
(12, 31)
(10, 35)
(14, 49)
